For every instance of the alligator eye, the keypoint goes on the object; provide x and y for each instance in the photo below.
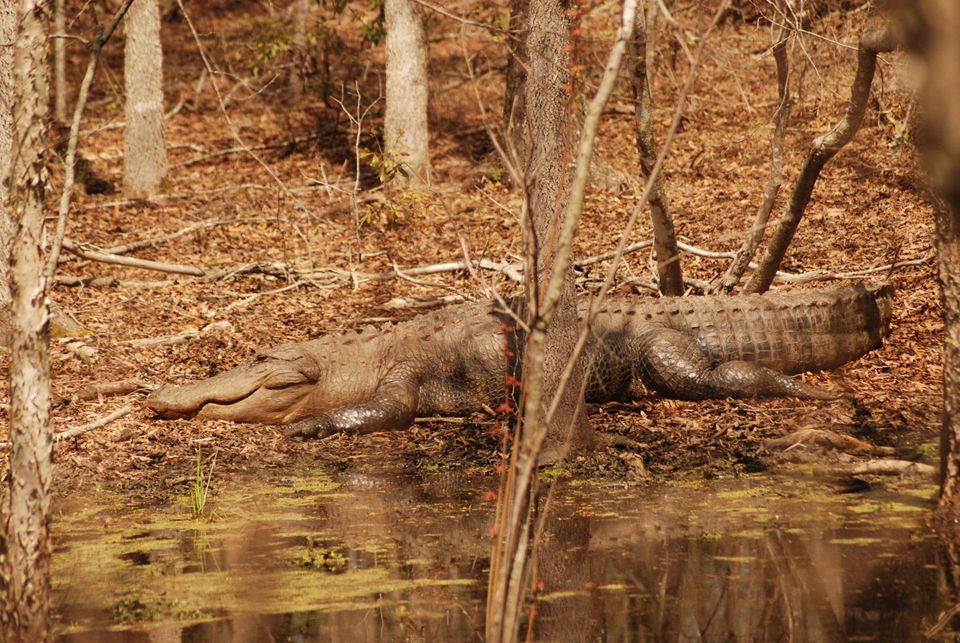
(284, 379)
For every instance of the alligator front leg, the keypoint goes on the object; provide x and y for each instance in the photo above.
(675, 364)
(393, 406)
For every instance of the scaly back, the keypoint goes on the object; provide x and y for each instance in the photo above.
(803, 330)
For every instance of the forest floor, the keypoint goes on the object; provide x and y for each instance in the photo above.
(291, 208)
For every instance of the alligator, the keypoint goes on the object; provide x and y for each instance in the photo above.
(456, 360)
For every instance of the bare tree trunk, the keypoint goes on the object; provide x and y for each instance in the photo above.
(542, 401)
(59, 63)
(406, 135)
(144, 151)
(931, 28)
(824, 148)
(539, 91)
(26, 507)
(544, 116)
(664, 236)
(300, 10)
(947, 220)
(8, 33)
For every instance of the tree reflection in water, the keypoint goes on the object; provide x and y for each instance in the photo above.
(368, 555)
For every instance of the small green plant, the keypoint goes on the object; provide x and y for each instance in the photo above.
(324, 559)
(200, 489)
(495, 174)
(387, 168)
(133, 610)
(394, 212)
(552, 474)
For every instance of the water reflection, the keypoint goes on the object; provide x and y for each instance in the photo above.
(367, 555)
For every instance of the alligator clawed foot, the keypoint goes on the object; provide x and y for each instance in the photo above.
(308, 428)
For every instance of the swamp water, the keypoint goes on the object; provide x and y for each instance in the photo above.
(370, 554)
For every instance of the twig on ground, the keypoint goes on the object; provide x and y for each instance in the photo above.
(72, 281)
(179, 338)
(146, 264)
(403, 275)
(449, 420)
(821, 275)
(106, 389)
(99, 205)
(825, 438)
(152, 241)
(945, 619)
(892, 468)
(421, 302)
(633, 247)
(96, 424)
(246, 301)
(243, 149)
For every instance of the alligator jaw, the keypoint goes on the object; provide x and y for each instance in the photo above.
(270, 391)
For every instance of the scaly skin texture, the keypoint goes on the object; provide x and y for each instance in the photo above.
(453, 361)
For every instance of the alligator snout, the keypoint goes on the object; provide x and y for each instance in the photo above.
(273, 389)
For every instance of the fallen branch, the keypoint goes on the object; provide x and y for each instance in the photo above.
(107, 389)
(511, 271)
(820, 275)
(422, 302)
(825, 438)
(893, 468)
(179, 338)
(105, 257)
(96, 424)
(112, 282)
(945, 619)
(252, 298)
(244, 149)
(813, 275)
(152, 241)
(164, 238)
(633, 247)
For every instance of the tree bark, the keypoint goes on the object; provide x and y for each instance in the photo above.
(26, 505)
(947, 220)
(543, 118)
(59, 62)
(931, 29)
(406, 134)
(669, 272)
(144, 150)
(8, 33)
(300, 9)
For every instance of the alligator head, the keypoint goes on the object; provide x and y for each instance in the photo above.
(276, 388)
